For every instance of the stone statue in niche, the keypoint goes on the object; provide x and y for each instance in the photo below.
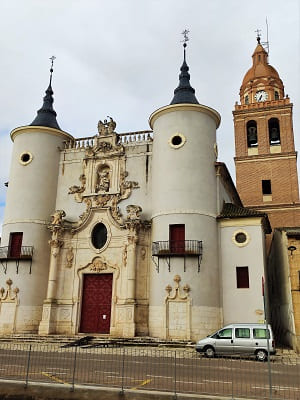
(103, 179)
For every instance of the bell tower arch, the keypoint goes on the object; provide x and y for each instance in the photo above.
(265, 156)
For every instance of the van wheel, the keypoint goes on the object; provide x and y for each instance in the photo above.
(261, 355)
(209, 352)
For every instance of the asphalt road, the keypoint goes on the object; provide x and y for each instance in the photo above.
(134, 368)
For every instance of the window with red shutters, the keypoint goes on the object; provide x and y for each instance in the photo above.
(242, 277)
(177, 238)
(15, 244)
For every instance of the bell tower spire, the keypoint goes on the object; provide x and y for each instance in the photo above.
(46, 116)
(184, 93)
(265, 156)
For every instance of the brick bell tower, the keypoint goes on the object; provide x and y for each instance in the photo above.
(265, 156)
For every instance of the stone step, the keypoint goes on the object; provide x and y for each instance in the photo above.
(96, 340)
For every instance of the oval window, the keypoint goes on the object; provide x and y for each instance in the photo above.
(99, 236)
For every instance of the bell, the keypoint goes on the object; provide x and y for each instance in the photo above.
(274, 134)
(252, 135)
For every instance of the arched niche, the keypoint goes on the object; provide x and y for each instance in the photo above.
(274, 131)
(251, 129)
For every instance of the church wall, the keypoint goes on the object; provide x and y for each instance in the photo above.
(70, 169)
(242, 304)
(223, 196)
(139, 168)
(280, 281)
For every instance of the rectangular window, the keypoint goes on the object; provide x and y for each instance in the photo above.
(260, 333)
(276, 95)
(266, 186)
(15, 244)
(242, 277)
(242, 333)
(177, 238)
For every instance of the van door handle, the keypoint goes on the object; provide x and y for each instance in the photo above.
(231, 340)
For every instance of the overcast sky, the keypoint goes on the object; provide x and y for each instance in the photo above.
(122, 58)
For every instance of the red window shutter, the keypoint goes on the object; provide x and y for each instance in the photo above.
(15, 244)
(242, 277)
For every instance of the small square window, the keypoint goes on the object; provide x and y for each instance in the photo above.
(242, 277)
(266, 186)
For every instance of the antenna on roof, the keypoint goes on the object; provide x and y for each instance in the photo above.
(266, 44)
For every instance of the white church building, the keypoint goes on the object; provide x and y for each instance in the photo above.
(128, 234)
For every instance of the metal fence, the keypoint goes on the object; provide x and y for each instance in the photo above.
(180, 371)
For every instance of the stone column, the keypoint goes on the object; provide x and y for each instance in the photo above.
(131, 266)
(55, 244)
(48, 322)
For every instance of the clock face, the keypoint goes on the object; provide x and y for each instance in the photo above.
(261, 95)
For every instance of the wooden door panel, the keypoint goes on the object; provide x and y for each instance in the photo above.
(96, 303)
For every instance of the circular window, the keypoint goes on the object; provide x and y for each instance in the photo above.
(176, 141)
(25, 158)
(99, 236)
(240, 238)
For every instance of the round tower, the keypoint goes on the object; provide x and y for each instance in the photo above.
(184, 295)
(31, 198)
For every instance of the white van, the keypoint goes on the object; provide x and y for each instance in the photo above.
(239, 339)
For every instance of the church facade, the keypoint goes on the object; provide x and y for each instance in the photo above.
(128, 234)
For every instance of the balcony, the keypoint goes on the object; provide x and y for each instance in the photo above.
(23, 253)
(177, 248)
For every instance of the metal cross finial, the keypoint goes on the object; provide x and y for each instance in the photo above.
(185, 39)
(258, 33)
(52, 60)
(51, 68)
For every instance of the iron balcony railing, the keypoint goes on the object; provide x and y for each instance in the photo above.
(8, 253)
(177, 248)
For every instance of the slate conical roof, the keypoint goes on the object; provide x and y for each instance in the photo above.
(184, 93)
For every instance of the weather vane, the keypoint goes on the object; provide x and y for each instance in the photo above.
(258, 32)
(185, 37)
(51, 68)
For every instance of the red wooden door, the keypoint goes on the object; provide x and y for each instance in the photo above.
(15, 244)
(177, 238)
(96, 303)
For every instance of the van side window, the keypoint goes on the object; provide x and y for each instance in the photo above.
(225, 333)
(242, 332)
(260, 333)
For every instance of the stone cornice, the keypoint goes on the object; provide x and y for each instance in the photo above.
(39, 129)
(185, 107)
